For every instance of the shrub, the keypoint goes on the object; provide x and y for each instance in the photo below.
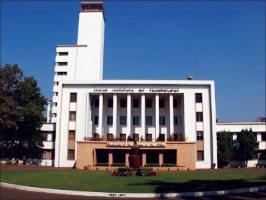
(122, 171)
(146, 172)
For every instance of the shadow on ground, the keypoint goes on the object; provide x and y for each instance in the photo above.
(161, 187)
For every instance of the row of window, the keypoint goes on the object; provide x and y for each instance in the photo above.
(71, 155)
(135, 120)
(135, 103)
(123, 119)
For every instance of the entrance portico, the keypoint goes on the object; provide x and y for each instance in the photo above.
(180, 155)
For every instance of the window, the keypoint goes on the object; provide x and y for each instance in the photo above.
(162, 120)
(96, 120)
(54, 104)
(44, 136)
(71, 154)
(135, 120)
(148, 120)
(71, 135)
(110, 103)
(263, 136)
(135, 103)
(200, 155)
(198, 97)
(199, 116)
(123, 103)
(54, 114)
(73, 97)
(199, 135)
(72, 116)
(63, 53)
(60, 73)
(148, 103)
(175, 120)
(175, 103)
(109, 120)
(55, 93)
(56, 83)
(123, 120)
(47, 154)
(96, 103)
(61, 63)
(161, 103)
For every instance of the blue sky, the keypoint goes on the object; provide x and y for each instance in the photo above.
(152, 40)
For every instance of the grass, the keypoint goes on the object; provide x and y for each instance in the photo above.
(163, 182)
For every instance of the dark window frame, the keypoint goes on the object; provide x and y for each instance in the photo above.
(199, 116)
(72, 116)
(109, 120)
(198, 97)
(73, 97)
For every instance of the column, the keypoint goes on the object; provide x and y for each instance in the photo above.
(128, 114)
(157, 114)
(171, 109)
(127, 159)
(115, 115)
(143, 116)
(100, 124)
(110, 158)
(160, 159)
(143, 158)
(94, 157)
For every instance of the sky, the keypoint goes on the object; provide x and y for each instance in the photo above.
(152, 40)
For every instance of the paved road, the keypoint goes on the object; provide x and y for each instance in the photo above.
(13, 194)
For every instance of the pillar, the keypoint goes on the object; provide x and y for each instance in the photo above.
(143, 159)
(100, 124)
(110, 158)
(160, 159)
(115, 115)
(94, 157)
(127, 160)
(143, 116)
(157, 114)
(171, 111)
(128, 114)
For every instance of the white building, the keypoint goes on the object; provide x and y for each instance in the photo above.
(174, 121)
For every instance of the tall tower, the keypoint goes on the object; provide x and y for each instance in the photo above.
(91, 33)
(84, 60)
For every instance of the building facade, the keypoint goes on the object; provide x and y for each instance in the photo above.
(95, 121)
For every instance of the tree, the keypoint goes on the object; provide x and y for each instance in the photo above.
(246, 145)
(225, 146)
(21, 114)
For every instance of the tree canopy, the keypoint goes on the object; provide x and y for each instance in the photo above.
(21, 114)
(246, 145)
(225, 147)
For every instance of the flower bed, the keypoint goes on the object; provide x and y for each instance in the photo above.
(146, 172)
(122, 171)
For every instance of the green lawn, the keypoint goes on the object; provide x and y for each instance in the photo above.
(163, 182)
